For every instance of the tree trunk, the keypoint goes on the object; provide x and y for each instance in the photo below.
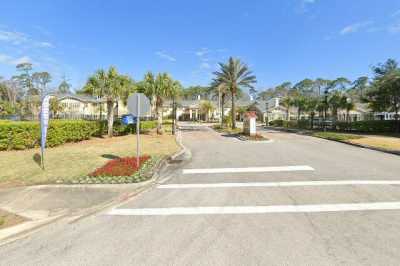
(233, 111)
(116, 108)
(397, 120)
(222, 110)
(287, 114)
(159, 119)
(110, 117)
(173, 116)
(312, 120)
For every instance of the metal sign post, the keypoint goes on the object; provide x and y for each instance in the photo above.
(138, 131)
(44, 123)
(138, 105)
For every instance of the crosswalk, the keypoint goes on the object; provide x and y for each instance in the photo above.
(261, 209)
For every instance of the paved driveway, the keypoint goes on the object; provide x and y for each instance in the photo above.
(295, 201)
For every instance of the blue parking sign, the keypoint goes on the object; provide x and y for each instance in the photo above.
(128, 120)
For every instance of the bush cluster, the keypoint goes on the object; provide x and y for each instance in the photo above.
(369, 126)
(25, 135)
(303, 124)
(120, 167)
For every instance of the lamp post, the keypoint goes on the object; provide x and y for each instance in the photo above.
(396, 117)
(174, 105)
(325, 106)
(348, 101)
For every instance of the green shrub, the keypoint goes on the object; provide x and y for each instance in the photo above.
(370, 126)
(276, 123)
(26, 135)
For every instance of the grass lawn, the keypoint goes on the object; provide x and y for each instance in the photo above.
(336, 136)
(7, 219)
(389, 143)
(383, 142)
(76, 159)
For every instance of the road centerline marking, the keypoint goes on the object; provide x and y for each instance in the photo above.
(248, 169)
(281, 184)
(316, 208)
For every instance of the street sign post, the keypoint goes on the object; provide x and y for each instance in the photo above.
(44, 123)
(138, 106)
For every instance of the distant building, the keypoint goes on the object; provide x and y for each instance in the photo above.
(276, 111)
(76, 106)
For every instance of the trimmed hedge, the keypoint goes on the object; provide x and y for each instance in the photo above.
(372, 126)
(303, 124)
(26, 135)
(369, 126)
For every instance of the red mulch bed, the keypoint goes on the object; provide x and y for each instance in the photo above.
(120, 167)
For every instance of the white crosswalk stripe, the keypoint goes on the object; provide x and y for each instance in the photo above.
(281, 184)
(269, 209)
(257, 209)
(249, 169)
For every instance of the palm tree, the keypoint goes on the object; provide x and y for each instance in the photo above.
(335, 102)
(95, 86)
(300, 103)
(287, 102)
(158, 88)
(220, 90)
(321, 84)
(148, 87)
(206, 107)
(235, 75)
(311, 105)
(111, 85)
(361, 85)
(348, 105)
(174, 93)
(340, 83)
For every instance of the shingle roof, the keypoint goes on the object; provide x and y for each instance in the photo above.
(79, 97)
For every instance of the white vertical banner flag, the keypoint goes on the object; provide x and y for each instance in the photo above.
(44, 123)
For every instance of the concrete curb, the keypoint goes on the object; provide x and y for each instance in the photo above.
(20, 231)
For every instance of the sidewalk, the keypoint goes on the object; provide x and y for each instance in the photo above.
(40, 205)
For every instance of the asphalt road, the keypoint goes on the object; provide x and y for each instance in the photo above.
(251, 207)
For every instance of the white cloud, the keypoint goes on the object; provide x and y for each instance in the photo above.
(165, 56)
(205, 65)
(353, 28)
(5, 59)
(394, 28)
(202, 52)
(45, 45)
(396, 14)
(13, 37)
(19, 38)
(9, 60)
(24, 59)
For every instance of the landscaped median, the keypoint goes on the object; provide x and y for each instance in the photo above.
(238, 133)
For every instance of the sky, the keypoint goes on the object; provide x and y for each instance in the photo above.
(280, 40)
